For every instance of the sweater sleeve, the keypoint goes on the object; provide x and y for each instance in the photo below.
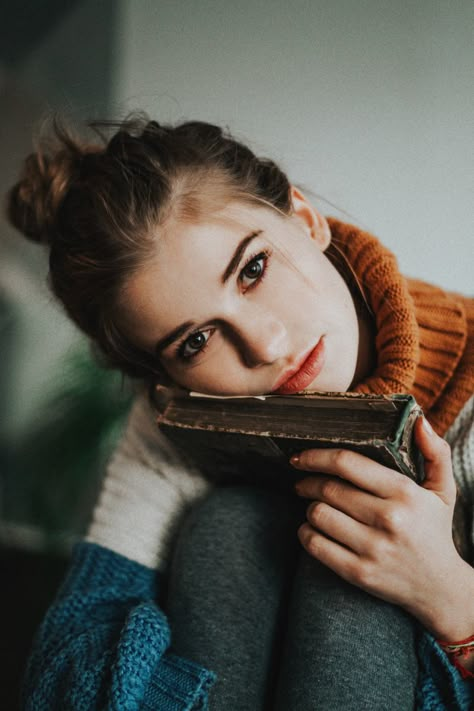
(104, 642)
(147, 488)
(441, 685)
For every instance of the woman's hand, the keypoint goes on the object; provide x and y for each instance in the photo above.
(381, 531)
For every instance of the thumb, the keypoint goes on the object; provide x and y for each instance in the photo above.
(437, 461)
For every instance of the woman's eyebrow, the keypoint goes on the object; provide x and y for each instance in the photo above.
(230, 269)
(237, 256)
(173, 336)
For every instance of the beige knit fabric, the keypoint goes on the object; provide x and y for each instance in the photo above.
(148, 487)
(460, 436)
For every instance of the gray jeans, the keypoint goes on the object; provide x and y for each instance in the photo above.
(281, 631)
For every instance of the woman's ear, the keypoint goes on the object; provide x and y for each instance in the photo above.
(313, 222)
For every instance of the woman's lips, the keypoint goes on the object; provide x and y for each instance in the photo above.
(306, 373)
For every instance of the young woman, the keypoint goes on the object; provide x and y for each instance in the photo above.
(189, 260)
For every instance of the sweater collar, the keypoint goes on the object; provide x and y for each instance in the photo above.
(421, 331)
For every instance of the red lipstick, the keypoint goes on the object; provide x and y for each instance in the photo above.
(306, 372)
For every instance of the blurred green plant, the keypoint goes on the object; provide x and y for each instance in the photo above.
(56, 466)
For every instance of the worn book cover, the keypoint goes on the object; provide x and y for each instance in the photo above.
(252, 439)
(258, 435)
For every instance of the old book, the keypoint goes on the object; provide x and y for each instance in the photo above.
(255, 437)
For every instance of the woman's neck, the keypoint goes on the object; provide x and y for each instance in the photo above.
(367, 353)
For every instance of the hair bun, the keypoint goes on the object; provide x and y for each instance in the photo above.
(33, 202)
(47, 175)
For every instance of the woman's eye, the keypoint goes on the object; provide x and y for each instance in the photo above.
(253, 270)
(194, 343)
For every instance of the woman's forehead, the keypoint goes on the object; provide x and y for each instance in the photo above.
(207, 244)
(185, 274)
(183, 245)
(185, 271)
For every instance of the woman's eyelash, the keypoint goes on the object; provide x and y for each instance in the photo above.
(181, 347)
(254, 279)
(254, 261)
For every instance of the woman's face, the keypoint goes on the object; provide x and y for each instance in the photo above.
(245, 304)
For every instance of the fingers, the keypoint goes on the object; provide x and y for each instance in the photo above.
(344, 497)
(353, 467)
(340, 559)
(338, 526)
(437, 455)
(377, 528)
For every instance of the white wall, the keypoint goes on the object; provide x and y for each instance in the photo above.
(368, 103)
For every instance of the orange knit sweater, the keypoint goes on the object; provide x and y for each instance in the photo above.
(424, 335)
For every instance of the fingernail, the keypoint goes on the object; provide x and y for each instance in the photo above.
(427, 427)
(303, 534)
(295, 460)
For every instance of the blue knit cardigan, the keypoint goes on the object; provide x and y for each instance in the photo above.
(104, 644)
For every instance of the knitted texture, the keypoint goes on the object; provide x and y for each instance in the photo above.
(103, 644)
(422, 348)
(147, 489)
(461, 438)
(425, 336)
(440, 687)
(460, 387)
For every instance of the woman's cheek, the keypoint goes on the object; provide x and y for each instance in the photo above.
(218, 372)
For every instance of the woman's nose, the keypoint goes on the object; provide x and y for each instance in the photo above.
(262, 338)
